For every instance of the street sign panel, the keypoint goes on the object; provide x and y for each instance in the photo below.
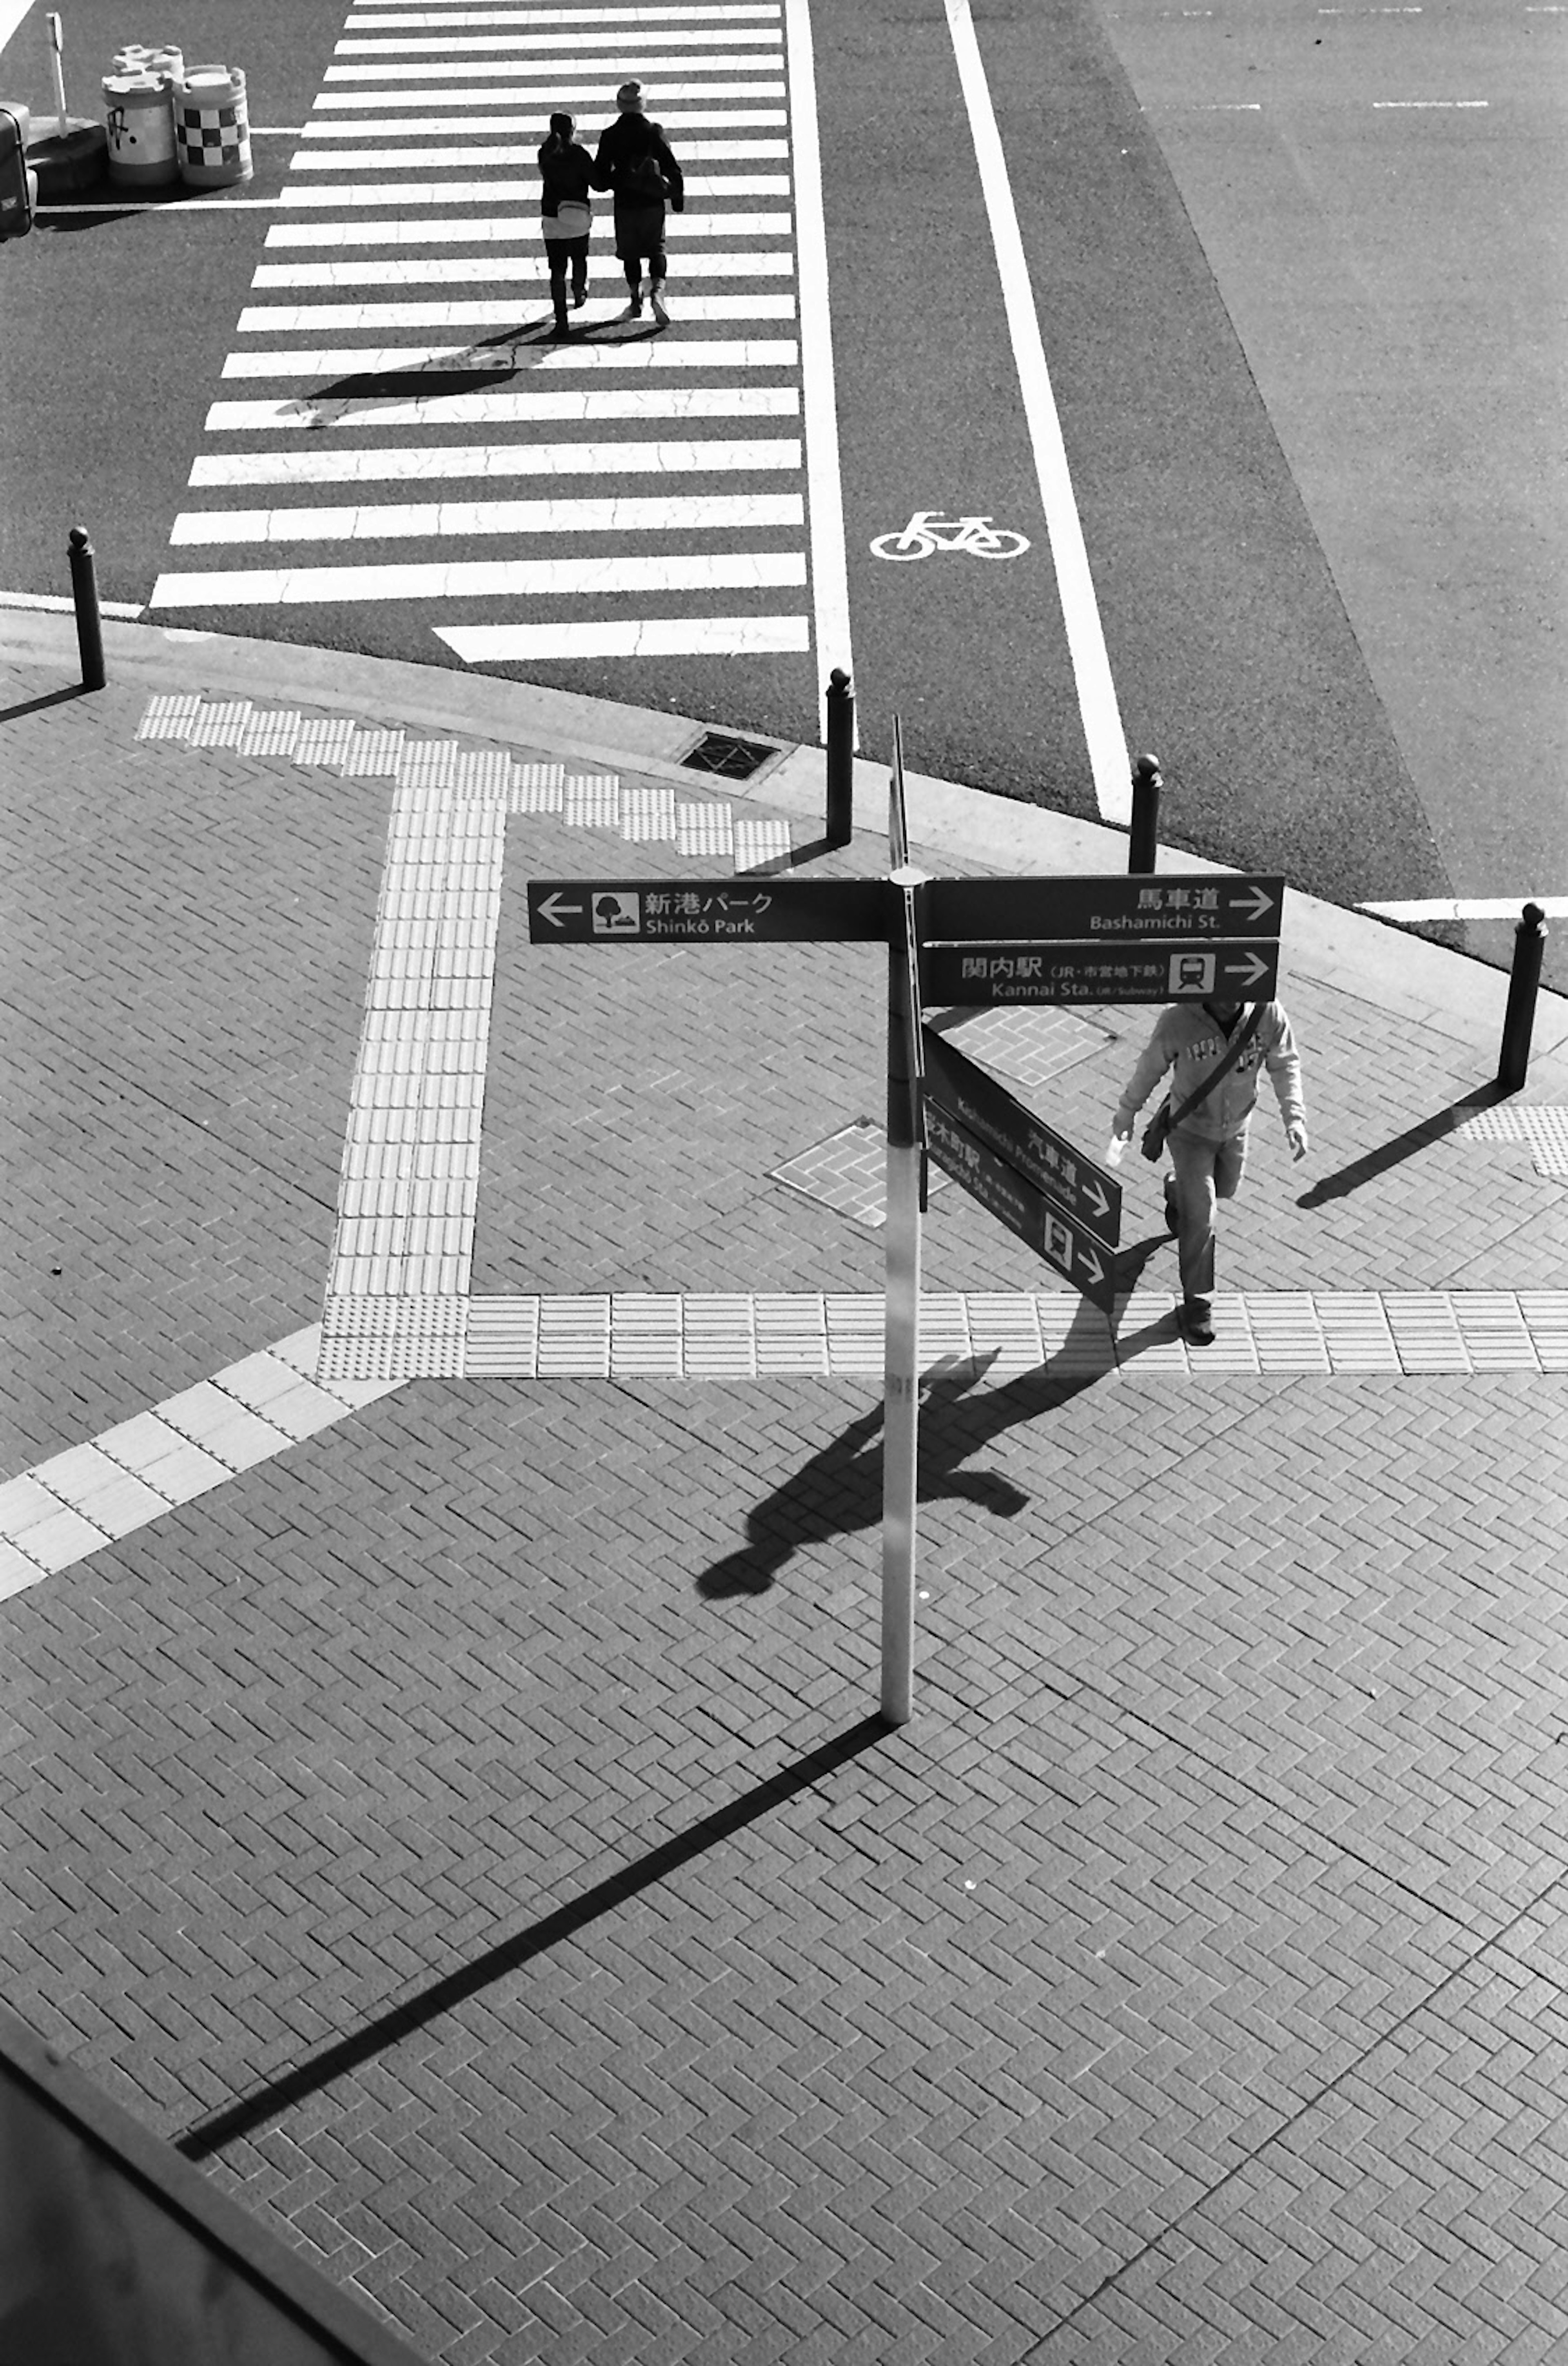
(1083, 1261)
(1084, 1192)
(1183, 970)
(706, 911)
(1048, 910)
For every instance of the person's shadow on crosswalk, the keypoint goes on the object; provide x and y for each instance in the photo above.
(477, 369)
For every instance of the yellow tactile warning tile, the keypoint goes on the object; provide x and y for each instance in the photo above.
(1545, 1129)
(71, 1504)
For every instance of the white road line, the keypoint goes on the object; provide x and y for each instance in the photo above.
(1380, 104)
(458, 230)
(495, 193)
(647, 354)
(395, 463)
(290, 319)
(582, 94)
(765, 62)
(717, 118)
(759, 263)
(498, 45)
(630, 636)
(457, 15)
(1471, 908)
(830, 574)
(617, 575)
(761, 8)
(454, 160)
(397, 521)
(510, 409)
(1080, 610)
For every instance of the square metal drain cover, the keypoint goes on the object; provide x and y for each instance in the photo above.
(849, 1172)
(720, 752)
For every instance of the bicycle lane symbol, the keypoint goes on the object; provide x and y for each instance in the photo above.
(928, 531)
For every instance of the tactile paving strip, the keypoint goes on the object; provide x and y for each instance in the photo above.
(1546, 1130)
(62, 1510)
(641, 813)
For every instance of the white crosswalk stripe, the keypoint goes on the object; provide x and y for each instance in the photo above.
(417, 174)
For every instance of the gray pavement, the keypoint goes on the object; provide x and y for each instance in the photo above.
(441, 1780)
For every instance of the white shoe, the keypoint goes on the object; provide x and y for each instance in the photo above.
(656, 297)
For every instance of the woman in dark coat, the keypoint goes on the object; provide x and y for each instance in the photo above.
(566, 214)
(635, 162)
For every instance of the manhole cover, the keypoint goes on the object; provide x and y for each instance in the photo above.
(719, 751)
(849, 1172)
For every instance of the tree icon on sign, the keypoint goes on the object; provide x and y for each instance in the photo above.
(617, 916)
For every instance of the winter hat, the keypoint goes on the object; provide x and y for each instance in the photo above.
(629, 98)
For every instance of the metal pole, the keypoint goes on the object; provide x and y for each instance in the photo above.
(901, 1384)
(1518, 1018)
(57, 67)
(89, 624)
(897, 821)
(840, 758)
(1142, 842)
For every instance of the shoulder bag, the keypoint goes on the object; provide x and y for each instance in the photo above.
(1160, 1125)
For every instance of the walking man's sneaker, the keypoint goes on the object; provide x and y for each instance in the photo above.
(656, 292)
(1197, 1325)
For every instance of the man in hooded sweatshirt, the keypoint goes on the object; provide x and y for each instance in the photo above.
(1208, 1149)
(636, 165)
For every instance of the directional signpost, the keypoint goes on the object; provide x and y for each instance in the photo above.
(1088, 1195)
(707, 911)
(1035, 911)
(1122, 939)
(1131, 969)
(1086, 1263)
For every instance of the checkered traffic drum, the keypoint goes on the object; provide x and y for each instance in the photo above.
(212, 129)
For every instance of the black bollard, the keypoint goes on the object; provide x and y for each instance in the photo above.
(89, 624)
(1519, 1020)
(1143, 841)
(840, 758)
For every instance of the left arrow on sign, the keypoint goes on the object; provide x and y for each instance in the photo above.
(556, 910)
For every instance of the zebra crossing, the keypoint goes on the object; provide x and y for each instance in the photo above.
(630, 492)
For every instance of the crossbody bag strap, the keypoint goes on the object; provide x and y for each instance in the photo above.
(1238, 1044)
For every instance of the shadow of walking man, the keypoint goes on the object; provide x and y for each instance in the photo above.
(839, 1490)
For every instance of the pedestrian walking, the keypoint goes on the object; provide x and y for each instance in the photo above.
(635, 162)
(1215, 1054)
(566, 210)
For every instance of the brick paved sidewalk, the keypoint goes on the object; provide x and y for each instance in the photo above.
(476, 1775)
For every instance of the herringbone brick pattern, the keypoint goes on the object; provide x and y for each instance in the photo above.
(1185, 1981)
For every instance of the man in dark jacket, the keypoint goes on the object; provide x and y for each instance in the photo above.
(636, 165)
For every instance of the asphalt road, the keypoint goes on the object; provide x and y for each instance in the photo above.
(1302, 346)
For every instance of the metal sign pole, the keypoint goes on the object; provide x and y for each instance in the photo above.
(901, 1383)
(898, 821)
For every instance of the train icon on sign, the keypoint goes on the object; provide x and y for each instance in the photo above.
(1192, 972)
(616, 914)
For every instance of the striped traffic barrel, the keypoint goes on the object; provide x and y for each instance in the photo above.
(212, 129)
(141, 130)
